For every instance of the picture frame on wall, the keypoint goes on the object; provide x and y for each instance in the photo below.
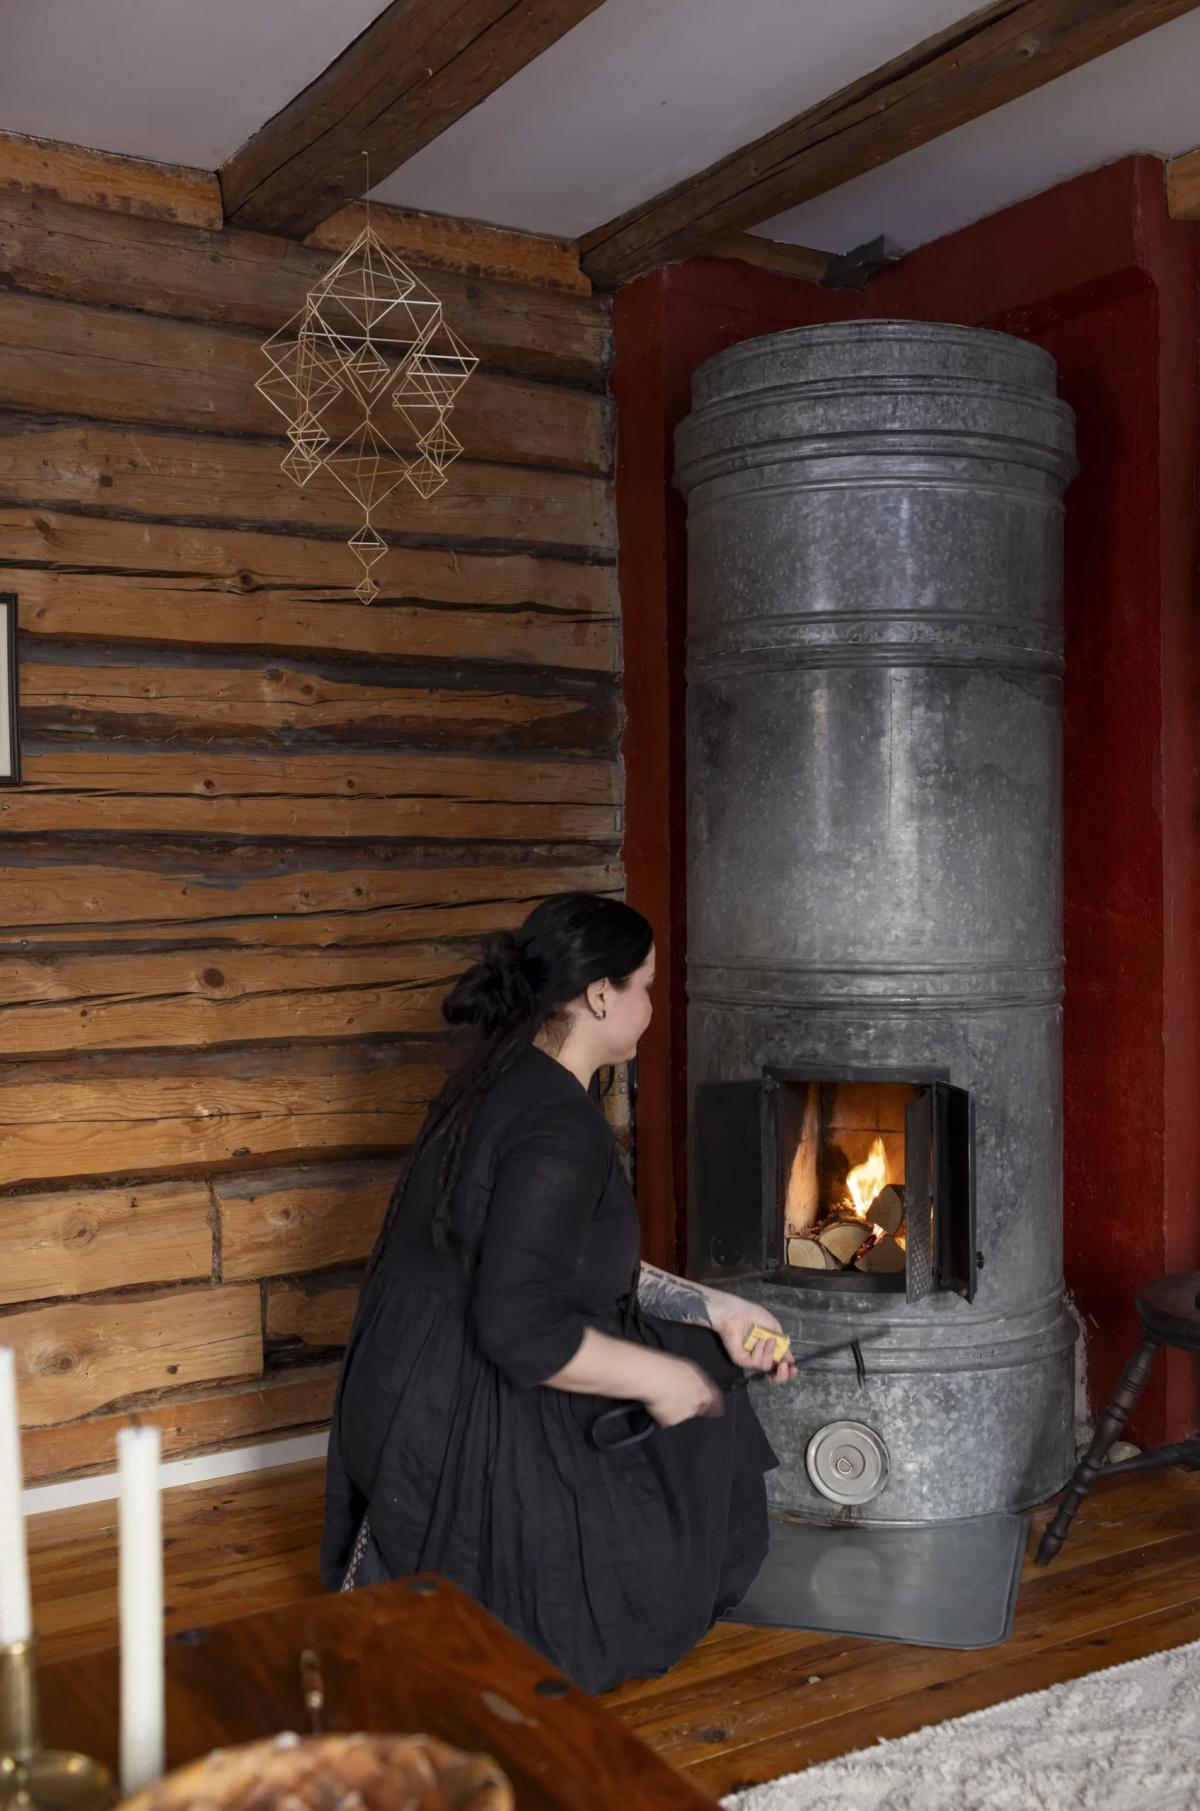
(10, 742)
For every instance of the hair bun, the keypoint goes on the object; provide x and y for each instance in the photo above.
(494, 993)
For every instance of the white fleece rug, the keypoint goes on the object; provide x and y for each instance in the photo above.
(1126, 1739)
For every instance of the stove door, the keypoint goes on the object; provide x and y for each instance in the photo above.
(939, 1178)
(734, 1188)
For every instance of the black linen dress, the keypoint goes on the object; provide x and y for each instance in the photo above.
(612, 1565)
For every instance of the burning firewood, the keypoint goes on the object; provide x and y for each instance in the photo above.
(842, 1238)
(884, 1257)
(807, 1254)
(887, 1209)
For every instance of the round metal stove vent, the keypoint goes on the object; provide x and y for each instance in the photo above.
(847, 1462)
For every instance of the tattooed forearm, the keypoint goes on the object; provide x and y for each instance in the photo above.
(672, 1298)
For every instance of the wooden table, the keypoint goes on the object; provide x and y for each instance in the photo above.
(413, 1655)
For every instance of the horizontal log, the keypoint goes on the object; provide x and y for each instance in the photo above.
(213, 567)
(190, 1421)
(163, 476)
(109, 1121)
(442, 242)
(301, 1314)
(188, 612)
(69, 360)
(84, 1241)
(57, 1003)
(191, 610)
(282, 1223)
(297, 706)
(245, 279)
(235, 897)
(304, 795)
(349, 775)
(80, 1356)
(120, 186)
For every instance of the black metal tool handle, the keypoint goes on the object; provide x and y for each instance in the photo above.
(629, 1423)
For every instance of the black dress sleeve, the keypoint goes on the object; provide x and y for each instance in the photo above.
(550, 1178)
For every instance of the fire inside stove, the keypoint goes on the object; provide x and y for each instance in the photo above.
(842, 1175)
(833, 1181)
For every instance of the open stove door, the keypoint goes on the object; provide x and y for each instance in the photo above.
(939, 1192)
(734, 1230)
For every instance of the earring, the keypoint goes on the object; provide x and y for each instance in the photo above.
(599, 1015)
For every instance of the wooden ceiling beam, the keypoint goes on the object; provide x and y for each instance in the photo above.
(1183, 186)
(417, 69)
(986, 59)
(774, 254)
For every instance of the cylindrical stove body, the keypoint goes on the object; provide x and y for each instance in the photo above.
(874, 771)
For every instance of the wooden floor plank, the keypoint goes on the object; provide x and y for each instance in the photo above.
(247, 1543)
(749, 1704)
(727, 1770)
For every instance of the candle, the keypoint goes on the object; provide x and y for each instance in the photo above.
(141, 1599)
(16, 1624)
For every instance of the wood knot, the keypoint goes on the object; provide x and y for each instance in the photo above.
(246, 580)
(212, 977)
(79, 1229)
(54, 1361)
(208, 785)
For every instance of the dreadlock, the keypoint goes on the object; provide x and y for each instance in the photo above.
(522, 983)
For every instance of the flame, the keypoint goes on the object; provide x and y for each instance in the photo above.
(867, 1179)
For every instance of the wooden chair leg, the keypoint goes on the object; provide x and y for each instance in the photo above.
(1120, 1406)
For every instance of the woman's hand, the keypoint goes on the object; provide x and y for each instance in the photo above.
(681, 1391)
(734, 1320)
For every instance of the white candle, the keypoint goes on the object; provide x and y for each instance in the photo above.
(141, 1593)
(16, 1623)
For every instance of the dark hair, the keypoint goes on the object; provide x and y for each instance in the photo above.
(523, 981)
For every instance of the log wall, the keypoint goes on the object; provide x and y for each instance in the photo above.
(262, 826)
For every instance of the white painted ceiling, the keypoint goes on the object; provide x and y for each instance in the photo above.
(639, 95)
(179, 81)
(644, 92)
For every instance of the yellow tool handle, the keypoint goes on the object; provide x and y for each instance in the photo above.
(783, 1344)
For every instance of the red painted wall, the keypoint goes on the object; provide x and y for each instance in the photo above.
(1095, 272)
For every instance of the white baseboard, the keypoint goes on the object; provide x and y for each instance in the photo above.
(232, 1464)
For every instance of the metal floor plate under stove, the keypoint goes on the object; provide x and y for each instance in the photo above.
(944, 1584)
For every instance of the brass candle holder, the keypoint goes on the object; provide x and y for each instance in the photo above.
(33, 1778)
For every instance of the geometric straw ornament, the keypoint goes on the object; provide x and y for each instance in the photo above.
(366, 374)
